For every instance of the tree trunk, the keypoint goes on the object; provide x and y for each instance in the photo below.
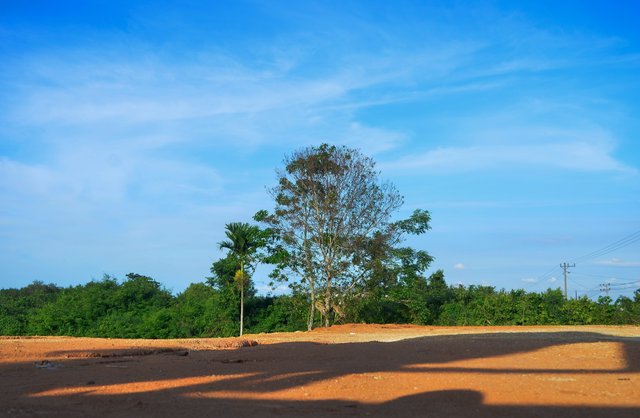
(327, 304)
(311, 278)
(312, 308)
(241, 298)
(241, 309)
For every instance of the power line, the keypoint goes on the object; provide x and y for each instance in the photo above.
(578, 284)
(634, 283)
(547, 273)
(601, 276)
(628, 286)
(621, 243)
(611, 280)
(630, 289)
(616, 245)
(544, 276)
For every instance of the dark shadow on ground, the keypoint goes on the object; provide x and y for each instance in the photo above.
(265, 369)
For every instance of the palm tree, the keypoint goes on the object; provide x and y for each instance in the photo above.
(242, 243)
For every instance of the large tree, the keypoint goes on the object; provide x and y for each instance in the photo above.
(243, 242)
(332, 221)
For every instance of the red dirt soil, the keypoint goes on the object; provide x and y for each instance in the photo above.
(347, 370)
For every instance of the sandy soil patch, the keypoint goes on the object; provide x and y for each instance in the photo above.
(348, 370)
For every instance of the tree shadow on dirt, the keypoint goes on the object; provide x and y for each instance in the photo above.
(250, 381)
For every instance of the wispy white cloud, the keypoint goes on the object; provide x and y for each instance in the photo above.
(529, 280)
(144, 151)
(459, 266)
(571, 155)
(107, 98)
(164, 95)
(372, 140)
(19, 178)
(96, 175)
(619, 263)
(117, 174)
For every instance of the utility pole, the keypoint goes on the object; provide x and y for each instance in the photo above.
(605, 287)
(565, 266)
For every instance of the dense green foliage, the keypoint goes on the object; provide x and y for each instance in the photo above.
(332, 240)
(138, 307)
(242, 244)
(331, 231)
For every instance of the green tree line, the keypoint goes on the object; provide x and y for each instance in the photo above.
(332, 238)
(139, 307)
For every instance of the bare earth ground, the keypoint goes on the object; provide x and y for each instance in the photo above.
(348, 370)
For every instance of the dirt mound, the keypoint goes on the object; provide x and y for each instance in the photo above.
(126, 353)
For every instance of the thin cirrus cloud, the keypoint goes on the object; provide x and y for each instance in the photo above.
(616, 262)
(217, 97)
(147, 147)
(571, 155)
(134, 102)
(94, 175)
(92, 109)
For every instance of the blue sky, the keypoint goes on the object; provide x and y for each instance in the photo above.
(131, 132)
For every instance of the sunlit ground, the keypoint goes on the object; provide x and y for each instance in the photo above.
(503, 369)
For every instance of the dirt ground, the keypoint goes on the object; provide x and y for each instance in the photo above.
(348, 370)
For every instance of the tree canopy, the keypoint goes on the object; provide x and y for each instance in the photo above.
(332, 225)
(332, 236)
(242, 243)
(138, 307)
